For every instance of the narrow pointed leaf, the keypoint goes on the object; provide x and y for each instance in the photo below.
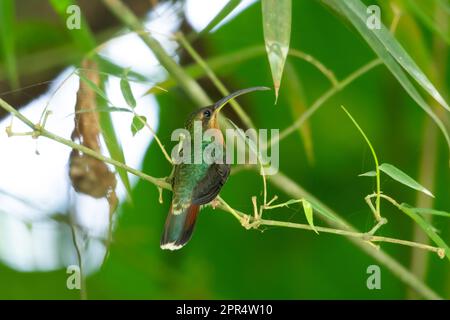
(127, 93)
(107, 109)
(355, 10)
(137, 124)
(226, 10)
(431, 211)
(426, 227)
(93, 86)
(309, 214)
(291, 201)
(109, 67)
(385, 49)
(277, 33)
(402, 177)
(368, 174)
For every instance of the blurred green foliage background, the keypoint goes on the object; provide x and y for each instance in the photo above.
(225, 261)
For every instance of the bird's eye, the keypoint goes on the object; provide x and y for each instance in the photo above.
(207, 113)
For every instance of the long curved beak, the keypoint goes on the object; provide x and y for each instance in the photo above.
(222, 102)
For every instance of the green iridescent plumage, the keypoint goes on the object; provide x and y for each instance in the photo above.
(196, 183)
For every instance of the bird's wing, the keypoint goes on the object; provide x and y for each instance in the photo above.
(209, 187)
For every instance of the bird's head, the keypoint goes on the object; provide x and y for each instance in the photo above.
(208, 116)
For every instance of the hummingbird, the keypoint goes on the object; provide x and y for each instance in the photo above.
(196, 184)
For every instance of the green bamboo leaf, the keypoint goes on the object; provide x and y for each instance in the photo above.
(402, 177)
(309, 214)
(368, 174)
(92, 85)
(127, 93)
(431, 211)
(226, 10)
(399, 176)
(427, 228)
(392, 55)
(277, 33)
(7, 39)
(291, 201)
(138, 124)
(109, 67)
(107, 109)
(356, 11)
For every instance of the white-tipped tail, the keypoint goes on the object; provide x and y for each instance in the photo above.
(178, 228)
(171, 246)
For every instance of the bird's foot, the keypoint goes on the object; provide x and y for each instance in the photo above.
(215, 203)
